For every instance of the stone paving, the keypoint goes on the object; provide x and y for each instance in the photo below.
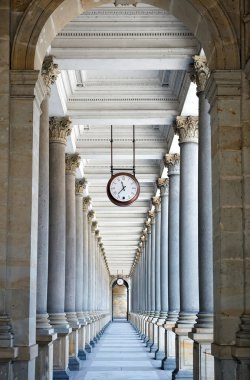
(120, 355)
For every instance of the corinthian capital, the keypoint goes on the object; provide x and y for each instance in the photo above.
(200, 73)
(148, 226)
(91, 215)
(49, 71)
(156, 201)
(187, 128)
(80, 185)
(59, 129)
(163, 185)
(172, 161)
(86, 203)
(72, 162)
(94, 226)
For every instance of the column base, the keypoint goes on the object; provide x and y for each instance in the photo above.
(74, 363)
(153, 348)
(203, 360)
(182, 374)
(225, 366)
(92, 343)
(61, 375)
(82, 354)
(44, 360)
(159, 355)
(88, 348)
(168, 364)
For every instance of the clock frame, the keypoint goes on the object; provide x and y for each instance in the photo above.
(118, 202)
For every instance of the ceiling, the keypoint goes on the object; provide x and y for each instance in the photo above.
(122, 65)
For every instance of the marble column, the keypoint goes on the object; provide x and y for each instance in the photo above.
(44, 332)
(153, 338)
(59, 129)
(163, 185)
(93, 226)
(72, 161)
(80, 185)
(86, 267)
(157, 266)
(148, 258)
(202, 333)
(172, 161)
(187, 129)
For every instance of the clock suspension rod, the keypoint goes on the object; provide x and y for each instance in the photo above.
(134, 150)
(111, 151)
(112, 169)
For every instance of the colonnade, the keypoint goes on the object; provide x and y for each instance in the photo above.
(72, 312)
(179, 327)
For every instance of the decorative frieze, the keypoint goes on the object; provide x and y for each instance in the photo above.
(72, 162)
(172, 161)
(59, 129)
(200, 72)
(49, 71)
(187, 129)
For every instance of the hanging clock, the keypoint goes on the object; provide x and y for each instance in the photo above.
(123, 189)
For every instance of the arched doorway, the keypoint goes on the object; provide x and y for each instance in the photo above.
(120, 294)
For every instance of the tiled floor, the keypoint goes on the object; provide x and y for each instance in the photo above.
(120, 355)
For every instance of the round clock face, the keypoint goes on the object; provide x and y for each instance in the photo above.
(123, 189)
(120, 281)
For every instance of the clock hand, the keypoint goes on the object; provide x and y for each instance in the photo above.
(124, 187)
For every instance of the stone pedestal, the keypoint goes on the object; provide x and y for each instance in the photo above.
(44, 361)
(184, 354)
(169, 361)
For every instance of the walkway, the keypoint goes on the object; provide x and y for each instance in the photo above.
(120, 355)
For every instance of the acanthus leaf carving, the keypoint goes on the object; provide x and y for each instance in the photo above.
(59, 129)
(49, 71)
(200, 72)
(172, 161)
(72, 162)
(187, 129)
